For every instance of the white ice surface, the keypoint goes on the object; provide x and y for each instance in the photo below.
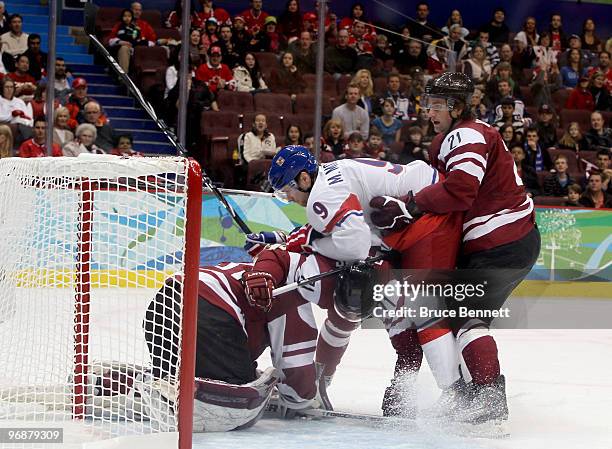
(559, 387)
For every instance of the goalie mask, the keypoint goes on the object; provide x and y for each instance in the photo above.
(353, 297)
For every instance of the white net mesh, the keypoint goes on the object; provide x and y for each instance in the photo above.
(86, 244)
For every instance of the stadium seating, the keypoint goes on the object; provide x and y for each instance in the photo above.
(279, 103)
(238, 102)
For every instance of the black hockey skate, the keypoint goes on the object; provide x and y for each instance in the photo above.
(487, 403)
(400, 397)
(451, 403)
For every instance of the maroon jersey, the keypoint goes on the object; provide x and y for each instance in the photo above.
(288, 328)
(481, 180)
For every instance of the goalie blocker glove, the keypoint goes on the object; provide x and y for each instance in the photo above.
(258, 286)
(394, 214)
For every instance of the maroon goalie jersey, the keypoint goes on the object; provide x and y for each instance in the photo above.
(288, 328)
(481, 180)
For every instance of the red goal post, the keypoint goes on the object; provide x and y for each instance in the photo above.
(87, 244)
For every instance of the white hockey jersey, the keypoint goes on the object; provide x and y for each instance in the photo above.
(339, 203)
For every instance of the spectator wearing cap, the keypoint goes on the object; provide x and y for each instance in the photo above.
(210, 34)
(341, 59)
(15, 41)
(546, 126)
(240, 35)
(310, 20)
(216, 75)
(604, 67)
(304, 53)
(76, 101)
(254, 17)
(210, 10)
(124, 36)
(508, 116)
(268, 39)
(580, 97)
(37, 58)
(24, 82)
(499, 33)
(36, 147)
(146, 30)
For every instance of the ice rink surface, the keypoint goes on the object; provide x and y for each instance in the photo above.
(559, 387)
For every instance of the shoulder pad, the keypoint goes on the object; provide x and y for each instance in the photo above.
(458, 138)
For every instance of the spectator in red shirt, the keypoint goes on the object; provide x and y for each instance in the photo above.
(146, 30)
(216, 75)
(77, 101)
(580, 97)
(35, 147)
(209, 10)
(25, 84)
(255, 16)
(357, 13)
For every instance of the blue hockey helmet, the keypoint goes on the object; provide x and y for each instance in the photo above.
(288, 163)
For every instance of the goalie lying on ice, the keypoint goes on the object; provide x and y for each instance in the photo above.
(231, 335)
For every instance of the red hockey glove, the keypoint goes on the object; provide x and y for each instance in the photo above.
(258, 286)
(393, 214)
(18, 113)
(300, 239)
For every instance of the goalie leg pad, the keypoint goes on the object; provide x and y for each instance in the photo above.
(220, 406)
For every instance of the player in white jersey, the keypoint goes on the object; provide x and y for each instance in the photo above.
(337, 197)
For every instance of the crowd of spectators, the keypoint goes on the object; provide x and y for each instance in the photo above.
(528, 82)
(524, 80)
(23, 114)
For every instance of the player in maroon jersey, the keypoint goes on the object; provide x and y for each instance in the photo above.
(237, 321)
(500, 242)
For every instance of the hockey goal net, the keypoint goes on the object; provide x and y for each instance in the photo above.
(86, 244)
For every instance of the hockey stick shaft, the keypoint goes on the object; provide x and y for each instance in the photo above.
(295, 285)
